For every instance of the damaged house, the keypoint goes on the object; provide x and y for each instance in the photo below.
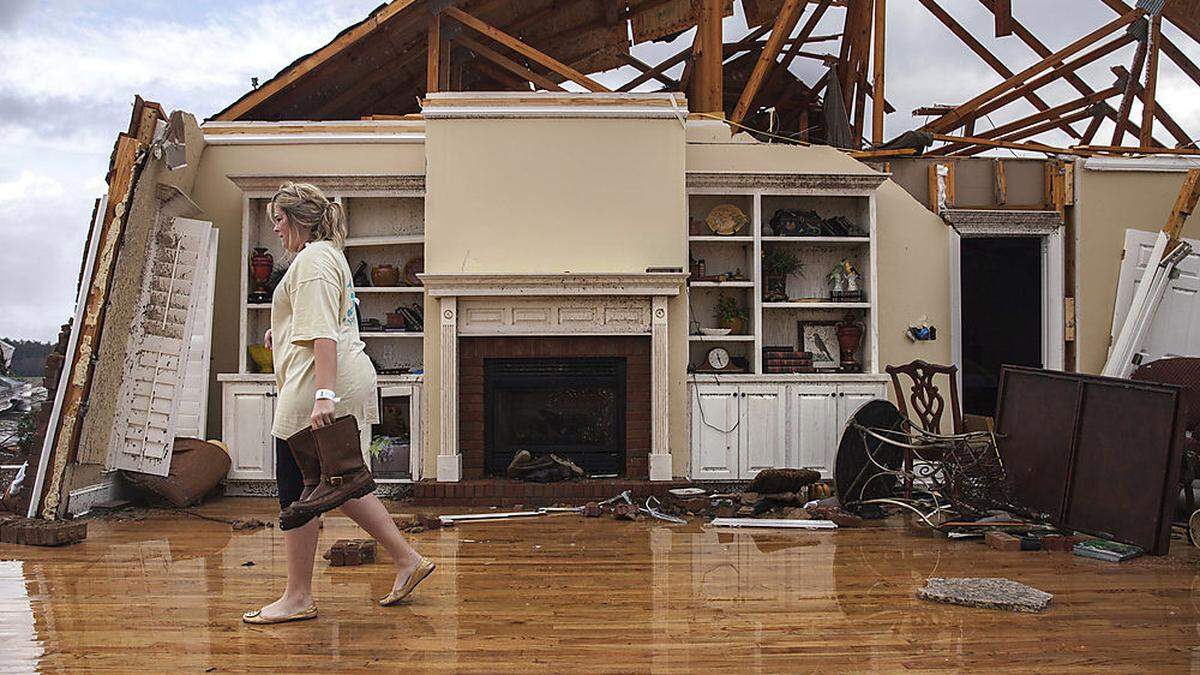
(718, 300)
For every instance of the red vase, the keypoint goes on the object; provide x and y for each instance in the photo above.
(849, 335)
(261, 266)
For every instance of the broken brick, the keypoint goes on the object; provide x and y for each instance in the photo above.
(591, 510)
(1002, 541)
(726, 509)
(350, 552)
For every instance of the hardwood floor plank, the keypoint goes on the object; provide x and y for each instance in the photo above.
(567, 594)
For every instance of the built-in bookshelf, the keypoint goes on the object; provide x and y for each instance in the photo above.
(806, 297)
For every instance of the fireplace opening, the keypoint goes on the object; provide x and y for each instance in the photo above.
(572, 407)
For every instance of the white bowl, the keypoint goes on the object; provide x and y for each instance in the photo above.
(716, 331)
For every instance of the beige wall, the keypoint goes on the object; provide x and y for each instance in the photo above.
(221, 200)
(974, 180)
(1108, 203)
(553, 196)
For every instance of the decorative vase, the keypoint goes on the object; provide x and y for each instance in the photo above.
(849, 335)
(261, 265)
(385, 275)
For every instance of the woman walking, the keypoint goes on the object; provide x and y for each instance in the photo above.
(326, 392)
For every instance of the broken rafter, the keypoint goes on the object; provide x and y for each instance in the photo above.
(294, 72)
(984, 53)
(535, 55)
(1169, 48)
(1160, 113)
(1052, 115)
(1028, 132)
(1125, 150)
(641, 65)
(878, 103)
(992, 143)
(785, 22)
(1149, 105)
(1139, 63)
(955, 118)
(508, 64)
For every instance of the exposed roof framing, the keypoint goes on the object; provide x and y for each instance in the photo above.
(384, 65)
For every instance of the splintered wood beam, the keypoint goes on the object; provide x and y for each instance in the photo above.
(311, 62)
(433, 53)
(1185, 204)
(1126, 150)
(1169, 48)
(1149, 105)
(1139, 63)
(641, 65)
(984, 53)
(785, 22)
(1035, 44)
(1160, 113)
(1094, 127)
(878, 102)
(508, 64)
(1053, 117)
(992, 143)
(954, 119)
(856, 44)
(535, 55)
(1004, 18)
(1052, 76)
(801, 38)
(708, 91)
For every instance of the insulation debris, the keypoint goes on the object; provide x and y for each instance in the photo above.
(989, 593)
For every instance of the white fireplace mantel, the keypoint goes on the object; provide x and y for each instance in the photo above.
(553, 304)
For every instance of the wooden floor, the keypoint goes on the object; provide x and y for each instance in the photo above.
(567, 594)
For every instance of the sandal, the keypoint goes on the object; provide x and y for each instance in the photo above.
(423, 569)
(256, 617)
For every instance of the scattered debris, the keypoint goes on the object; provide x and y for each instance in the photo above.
(248, 563)
(476, 517)
(34, 532)
(1111, 551)
(989, 593)
(591, 510)
(836, 513)
(688, 492)
(241, 524)
(351, 552)
(626, 511)
(776, 523)
(775, 481)
(543, 469)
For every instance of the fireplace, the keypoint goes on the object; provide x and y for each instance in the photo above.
(573, 407)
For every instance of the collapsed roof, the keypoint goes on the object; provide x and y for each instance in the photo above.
(383, 66)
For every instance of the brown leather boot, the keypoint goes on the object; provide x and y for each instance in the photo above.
(343, 475)
(304, 449)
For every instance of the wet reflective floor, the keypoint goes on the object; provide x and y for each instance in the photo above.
(568, 594)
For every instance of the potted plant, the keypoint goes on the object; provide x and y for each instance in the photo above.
(729, 315)
(777, 266)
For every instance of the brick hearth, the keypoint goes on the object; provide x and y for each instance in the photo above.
(634, 349)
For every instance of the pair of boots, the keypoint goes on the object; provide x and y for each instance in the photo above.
(330, 461)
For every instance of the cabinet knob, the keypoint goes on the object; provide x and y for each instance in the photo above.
(832, 394)
(841, 393)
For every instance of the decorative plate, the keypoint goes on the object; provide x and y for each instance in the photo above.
(726, 219)
(412, 268)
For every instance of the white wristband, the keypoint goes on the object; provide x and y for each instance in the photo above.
(328, 394)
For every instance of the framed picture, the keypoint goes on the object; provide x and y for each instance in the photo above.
(819, 338)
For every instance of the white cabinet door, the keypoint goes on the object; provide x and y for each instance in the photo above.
(851, 396)
(816, 427)
(715, 423)
(762, 442)
(249, 408)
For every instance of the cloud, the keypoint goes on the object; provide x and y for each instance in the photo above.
(12, 11)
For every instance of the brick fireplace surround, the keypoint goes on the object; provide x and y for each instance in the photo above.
(635, 349)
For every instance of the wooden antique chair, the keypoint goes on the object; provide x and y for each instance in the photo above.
(928, 404)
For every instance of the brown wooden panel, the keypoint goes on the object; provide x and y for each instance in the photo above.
(1035, 417)
(1097, 454)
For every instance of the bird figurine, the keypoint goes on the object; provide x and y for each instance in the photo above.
(820, 343)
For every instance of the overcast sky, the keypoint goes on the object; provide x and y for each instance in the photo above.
(69, 70)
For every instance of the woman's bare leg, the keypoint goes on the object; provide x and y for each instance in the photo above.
(372, 516)
(300, 547)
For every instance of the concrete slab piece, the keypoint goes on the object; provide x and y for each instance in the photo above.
(990, 593)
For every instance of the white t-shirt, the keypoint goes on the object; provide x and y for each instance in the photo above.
(315, 299)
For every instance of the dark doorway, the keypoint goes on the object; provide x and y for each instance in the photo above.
(1001, 314)
(572, 407)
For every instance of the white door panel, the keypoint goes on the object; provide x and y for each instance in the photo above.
(815, 427)
(249, 409)
(715, 423)
(1175, 330)
(762, 440)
